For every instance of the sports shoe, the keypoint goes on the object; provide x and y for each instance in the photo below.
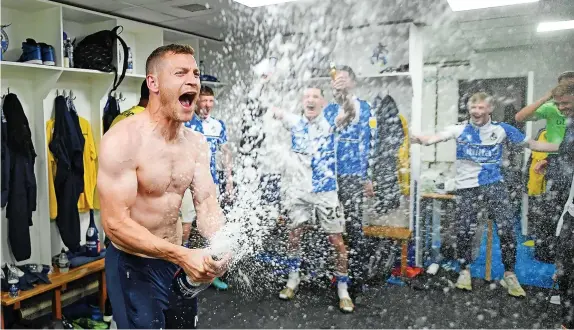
(510, 282)
(555, 300)
(464, 281)
(48, 54)
(287, 293)
(31, 52)
(346, 305)
(219, 284)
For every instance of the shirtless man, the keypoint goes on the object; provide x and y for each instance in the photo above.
(146, 163)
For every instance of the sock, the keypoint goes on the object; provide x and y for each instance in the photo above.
(342, 286)
(293, 280)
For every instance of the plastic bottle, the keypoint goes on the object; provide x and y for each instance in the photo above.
(92, 238)
(63, 262)
(13, 281)
(70, 52)
(130, 68)
(66, 54)
(202, 71)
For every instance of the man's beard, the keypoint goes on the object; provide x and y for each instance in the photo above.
(169, 106)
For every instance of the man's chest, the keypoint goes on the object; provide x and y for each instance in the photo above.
(170, 169)
(480, 145)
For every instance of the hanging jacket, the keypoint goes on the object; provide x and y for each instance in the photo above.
(22, 184)
(67, 150)
(405, 160)
(353, 141)
(389, 137)
(111, 111)
(536, 181)
(5, 163)
(87, 198)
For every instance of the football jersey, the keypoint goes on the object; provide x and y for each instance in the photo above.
(479, 151)
(313, 147)
(216, 135)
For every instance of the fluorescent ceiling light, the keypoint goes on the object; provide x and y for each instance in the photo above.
(259, 3)
(555, 26)
(460, 5)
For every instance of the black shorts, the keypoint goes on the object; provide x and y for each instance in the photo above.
(141, 294)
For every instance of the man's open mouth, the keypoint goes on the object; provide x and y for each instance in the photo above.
(187, 99)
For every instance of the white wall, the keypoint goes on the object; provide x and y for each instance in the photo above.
(545, 61)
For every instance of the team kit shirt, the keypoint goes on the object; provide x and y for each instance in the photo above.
(353, 142)
(555, 121)
(216, 135)
(479, 151)
(313, 147)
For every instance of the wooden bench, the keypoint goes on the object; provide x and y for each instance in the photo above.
(397, 233)
(59, 284)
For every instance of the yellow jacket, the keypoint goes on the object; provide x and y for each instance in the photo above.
(130, 112)
(404, 160)
(86, 200)
(537, 182)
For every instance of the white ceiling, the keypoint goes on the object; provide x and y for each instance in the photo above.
(449, 34)
(456, 34)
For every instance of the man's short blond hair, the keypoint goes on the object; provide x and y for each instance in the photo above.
(154, 58)
(480, 97)
(563, 89)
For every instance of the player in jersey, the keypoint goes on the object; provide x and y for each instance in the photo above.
(311, 195)
(479, 149)
(353, 147)
(557, 181)
(144, 98)
(216, 135)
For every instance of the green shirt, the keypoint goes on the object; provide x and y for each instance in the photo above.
(555, 121)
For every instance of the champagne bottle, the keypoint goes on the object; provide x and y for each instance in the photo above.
(92, 238)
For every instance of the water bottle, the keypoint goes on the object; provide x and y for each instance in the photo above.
(92, 238)
(70, 52)
(130, 68)
(202, 69)
(66, 53)
(13, 281)
(185, 287)
(63, 262)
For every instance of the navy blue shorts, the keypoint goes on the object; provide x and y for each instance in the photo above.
(141, 295)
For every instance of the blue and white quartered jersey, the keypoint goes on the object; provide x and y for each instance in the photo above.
(479, 151)
(313, 146)
(353, 141)
(216, 135)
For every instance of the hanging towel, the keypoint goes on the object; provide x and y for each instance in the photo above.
(22, 183)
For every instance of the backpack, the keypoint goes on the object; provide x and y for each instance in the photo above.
(96, 52)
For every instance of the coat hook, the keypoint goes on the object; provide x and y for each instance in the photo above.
(122, 98)
(72, 95)
(57, 92)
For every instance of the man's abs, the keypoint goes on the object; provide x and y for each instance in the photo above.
(159, 215)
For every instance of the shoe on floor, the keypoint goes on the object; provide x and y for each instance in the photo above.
(31, 52)
(346, 305)
(287, 293)
(219, 284)
(464, 281)
(510, 282)
(555, 300)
